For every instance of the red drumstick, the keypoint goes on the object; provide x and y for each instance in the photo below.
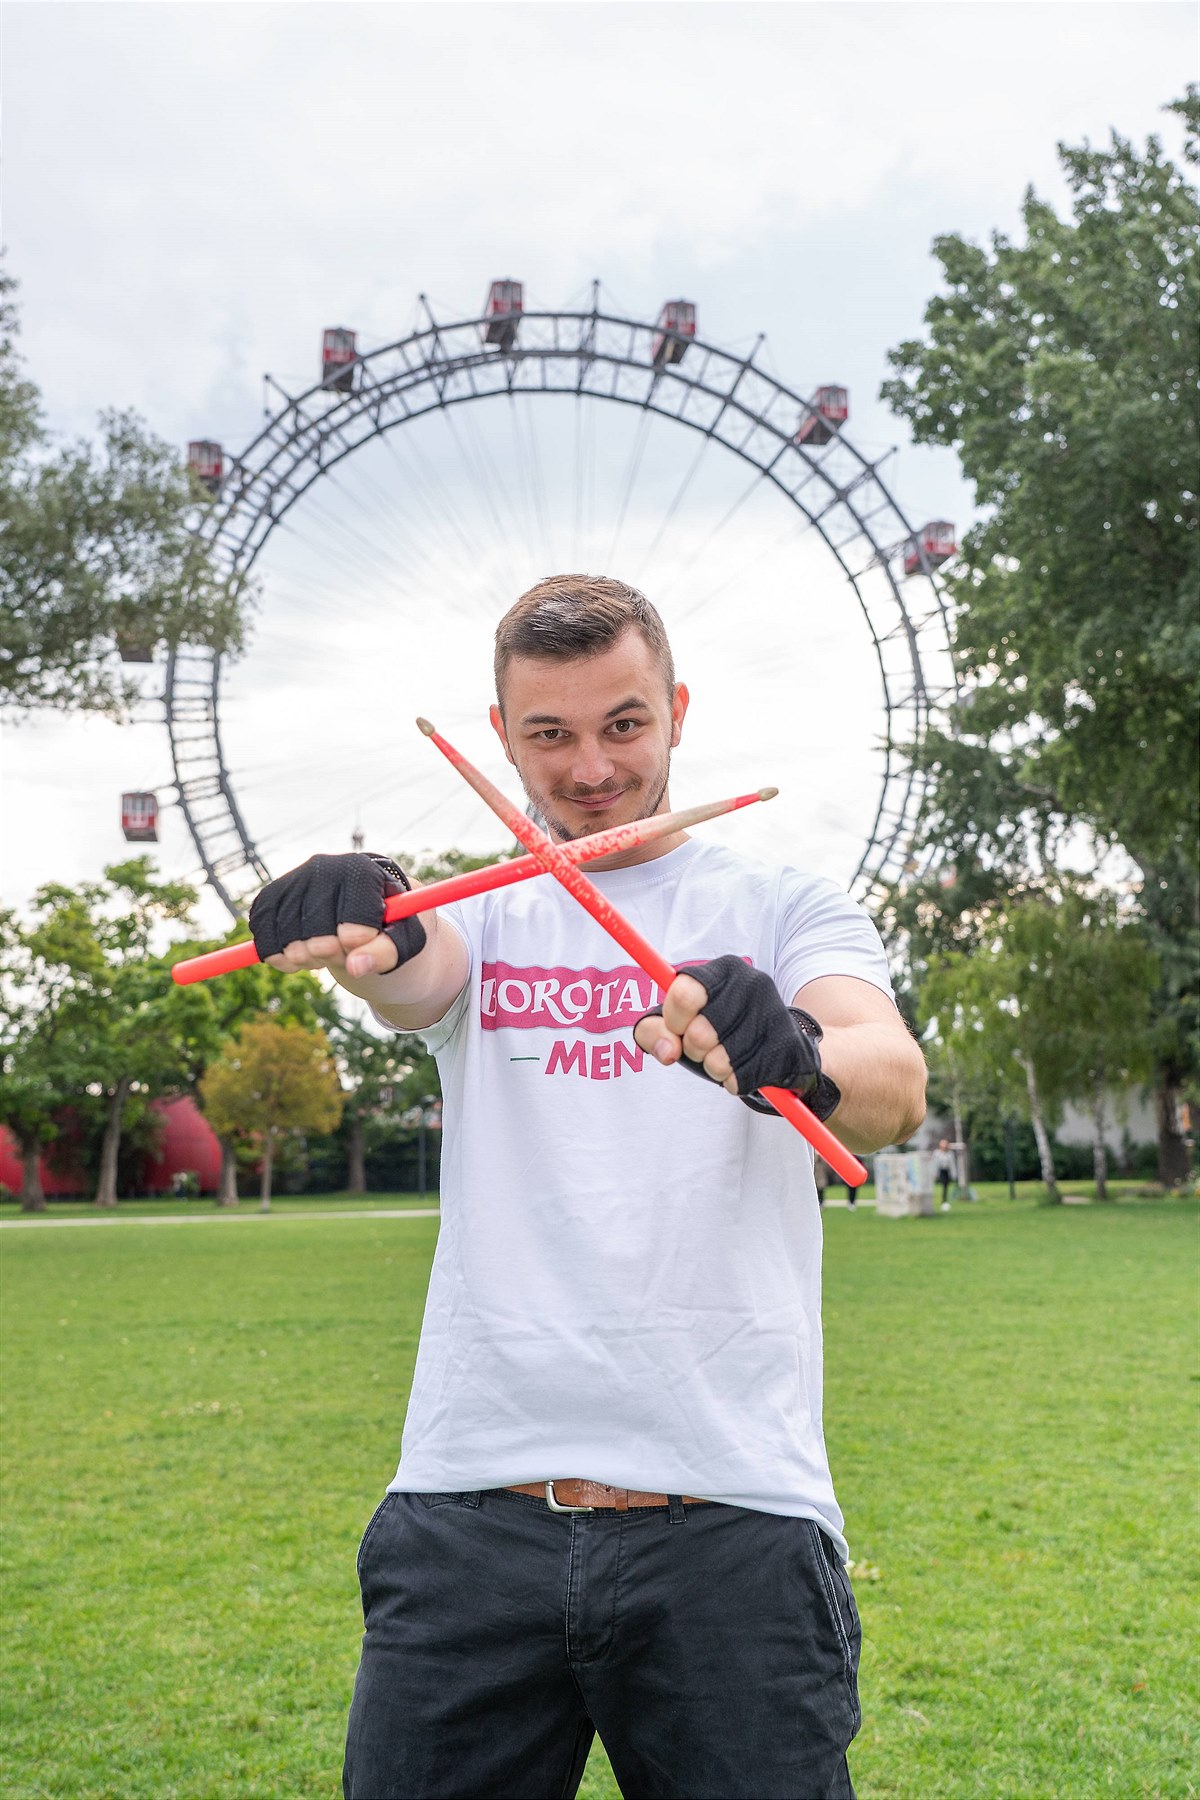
(614, 841)
(551, 858)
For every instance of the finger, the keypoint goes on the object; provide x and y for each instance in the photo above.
(323, 950)
(684, 999)
(650, 1034)
(353, 937)
(377, 957)
(297, 955)
(699, 1038)
(284, 964)
(717, 1064)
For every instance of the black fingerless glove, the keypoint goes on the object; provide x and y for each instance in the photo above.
(768, 1044)
(328, 891)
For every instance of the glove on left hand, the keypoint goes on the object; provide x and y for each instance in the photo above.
(768, 1043)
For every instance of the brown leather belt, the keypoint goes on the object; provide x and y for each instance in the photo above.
(586, 1496)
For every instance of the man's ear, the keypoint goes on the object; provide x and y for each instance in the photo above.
(679, 706)
(497, 718)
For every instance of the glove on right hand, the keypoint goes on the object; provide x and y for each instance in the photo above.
(328, 891)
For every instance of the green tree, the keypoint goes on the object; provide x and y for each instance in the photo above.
(109, 1022)
(382, 1077)
(272, 1078)
(98, 548)
(1063, 372)
(230, 1002)
(1053, 1003)
(40, 966)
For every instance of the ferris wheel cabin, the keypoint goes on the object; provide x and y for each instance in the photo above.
(932, 546)
(338, 357)
(502, 313)
(139, 818)
(676, 328)
(206, 462)
(829, 409)
(134, 646)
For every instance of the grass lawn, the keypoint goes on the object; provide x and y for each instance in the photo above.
(198, 1424)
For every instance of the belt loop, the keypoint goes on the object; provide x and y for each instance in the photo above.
(470, 1499)
(675, 1509)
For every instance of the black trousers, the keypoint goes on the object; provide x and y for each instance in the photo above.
(714, 1649)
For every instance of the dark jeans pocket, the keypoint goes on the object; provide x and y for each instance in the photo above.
(367, 1535)
(843, 1610)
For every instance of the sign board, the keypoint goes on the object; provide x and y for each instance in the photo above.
(903, 1183)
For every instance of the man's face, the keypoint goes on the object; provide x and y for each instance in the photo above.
(591, 739)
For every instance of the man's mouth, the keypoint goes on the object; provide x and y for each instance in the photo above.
(595, 802)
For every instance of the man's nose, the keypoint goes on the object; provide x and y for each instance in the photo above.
(592, 766)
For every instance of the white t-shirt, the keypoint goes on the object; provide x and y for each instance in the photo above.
(627, 1284)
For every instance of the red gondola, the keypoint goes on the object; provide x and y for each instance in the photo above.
(132, 648)
(206, 461)
(676, 326)
(933, 545)
(139, 818)
(830, 409)
(502, 313)
(338, 357)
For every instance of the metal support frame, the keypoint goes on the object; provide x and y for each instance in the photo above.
(600, 355)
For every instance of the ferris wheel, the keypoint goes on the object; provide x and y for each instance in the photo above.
(792, 447)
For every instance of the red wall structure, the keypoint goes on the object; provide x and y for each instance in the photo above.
(188, 1142)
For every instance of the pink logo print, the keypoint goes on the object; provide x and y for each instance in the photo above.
(588, 999)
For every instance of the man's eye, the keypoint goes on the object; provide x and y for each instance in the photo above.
(550, 734)
(624, 726)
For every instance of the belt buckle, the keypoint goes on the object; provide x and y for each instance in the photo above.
(554, 1506)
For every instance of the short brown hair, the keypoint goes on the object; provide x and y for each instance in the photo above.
(569, 616)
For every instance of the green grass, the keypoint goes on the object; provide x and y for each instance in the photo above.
(198, 1424)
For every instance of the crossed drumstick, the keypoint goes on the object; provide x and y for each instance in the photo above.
(562, 861)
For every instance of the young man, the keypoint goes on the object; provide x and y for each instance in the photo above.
(613, 1509)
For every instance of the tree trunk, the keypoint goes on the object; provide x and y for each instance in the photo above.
(227, 1194)
(1099, 1143)
(33, 1198)
(1174, 1159)
(356, 1157)
(1045, 1156)
(962, 1153)
(264, 1186)
(106, 1186)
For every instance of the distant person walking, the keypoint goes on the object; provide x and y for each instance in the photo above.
(821, 1177)
(943, 1169)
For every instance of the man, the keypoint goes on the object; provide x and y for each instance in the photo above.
(613, 1509)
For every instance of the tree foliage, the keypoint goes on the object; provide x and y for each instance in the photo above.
(272, 1078)
(96, 547)
(1054, 1003)
(1063, 372)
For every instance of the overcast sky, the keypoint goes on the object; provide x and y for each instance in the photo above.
(191, 192)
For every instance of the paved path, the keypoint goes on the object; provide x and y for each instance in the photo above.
(377, 1212)
(232, 1218)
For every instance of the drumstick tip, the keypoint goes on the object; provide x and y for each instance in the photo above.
(425, 726)
(767, 793)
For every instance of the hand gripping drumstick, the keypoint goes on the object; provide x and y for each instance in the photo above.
(550, 856)
(612, 842)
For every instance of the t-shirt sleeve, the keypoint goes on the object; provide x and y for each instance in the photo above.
(435, 1036)
(822, 931)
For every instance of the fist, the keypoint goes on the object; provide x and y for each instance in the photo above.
(679, 1028)
(328, 914)
(727, 1021)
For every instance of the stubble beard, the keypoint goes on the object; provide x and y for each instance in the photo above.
(562, 832)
